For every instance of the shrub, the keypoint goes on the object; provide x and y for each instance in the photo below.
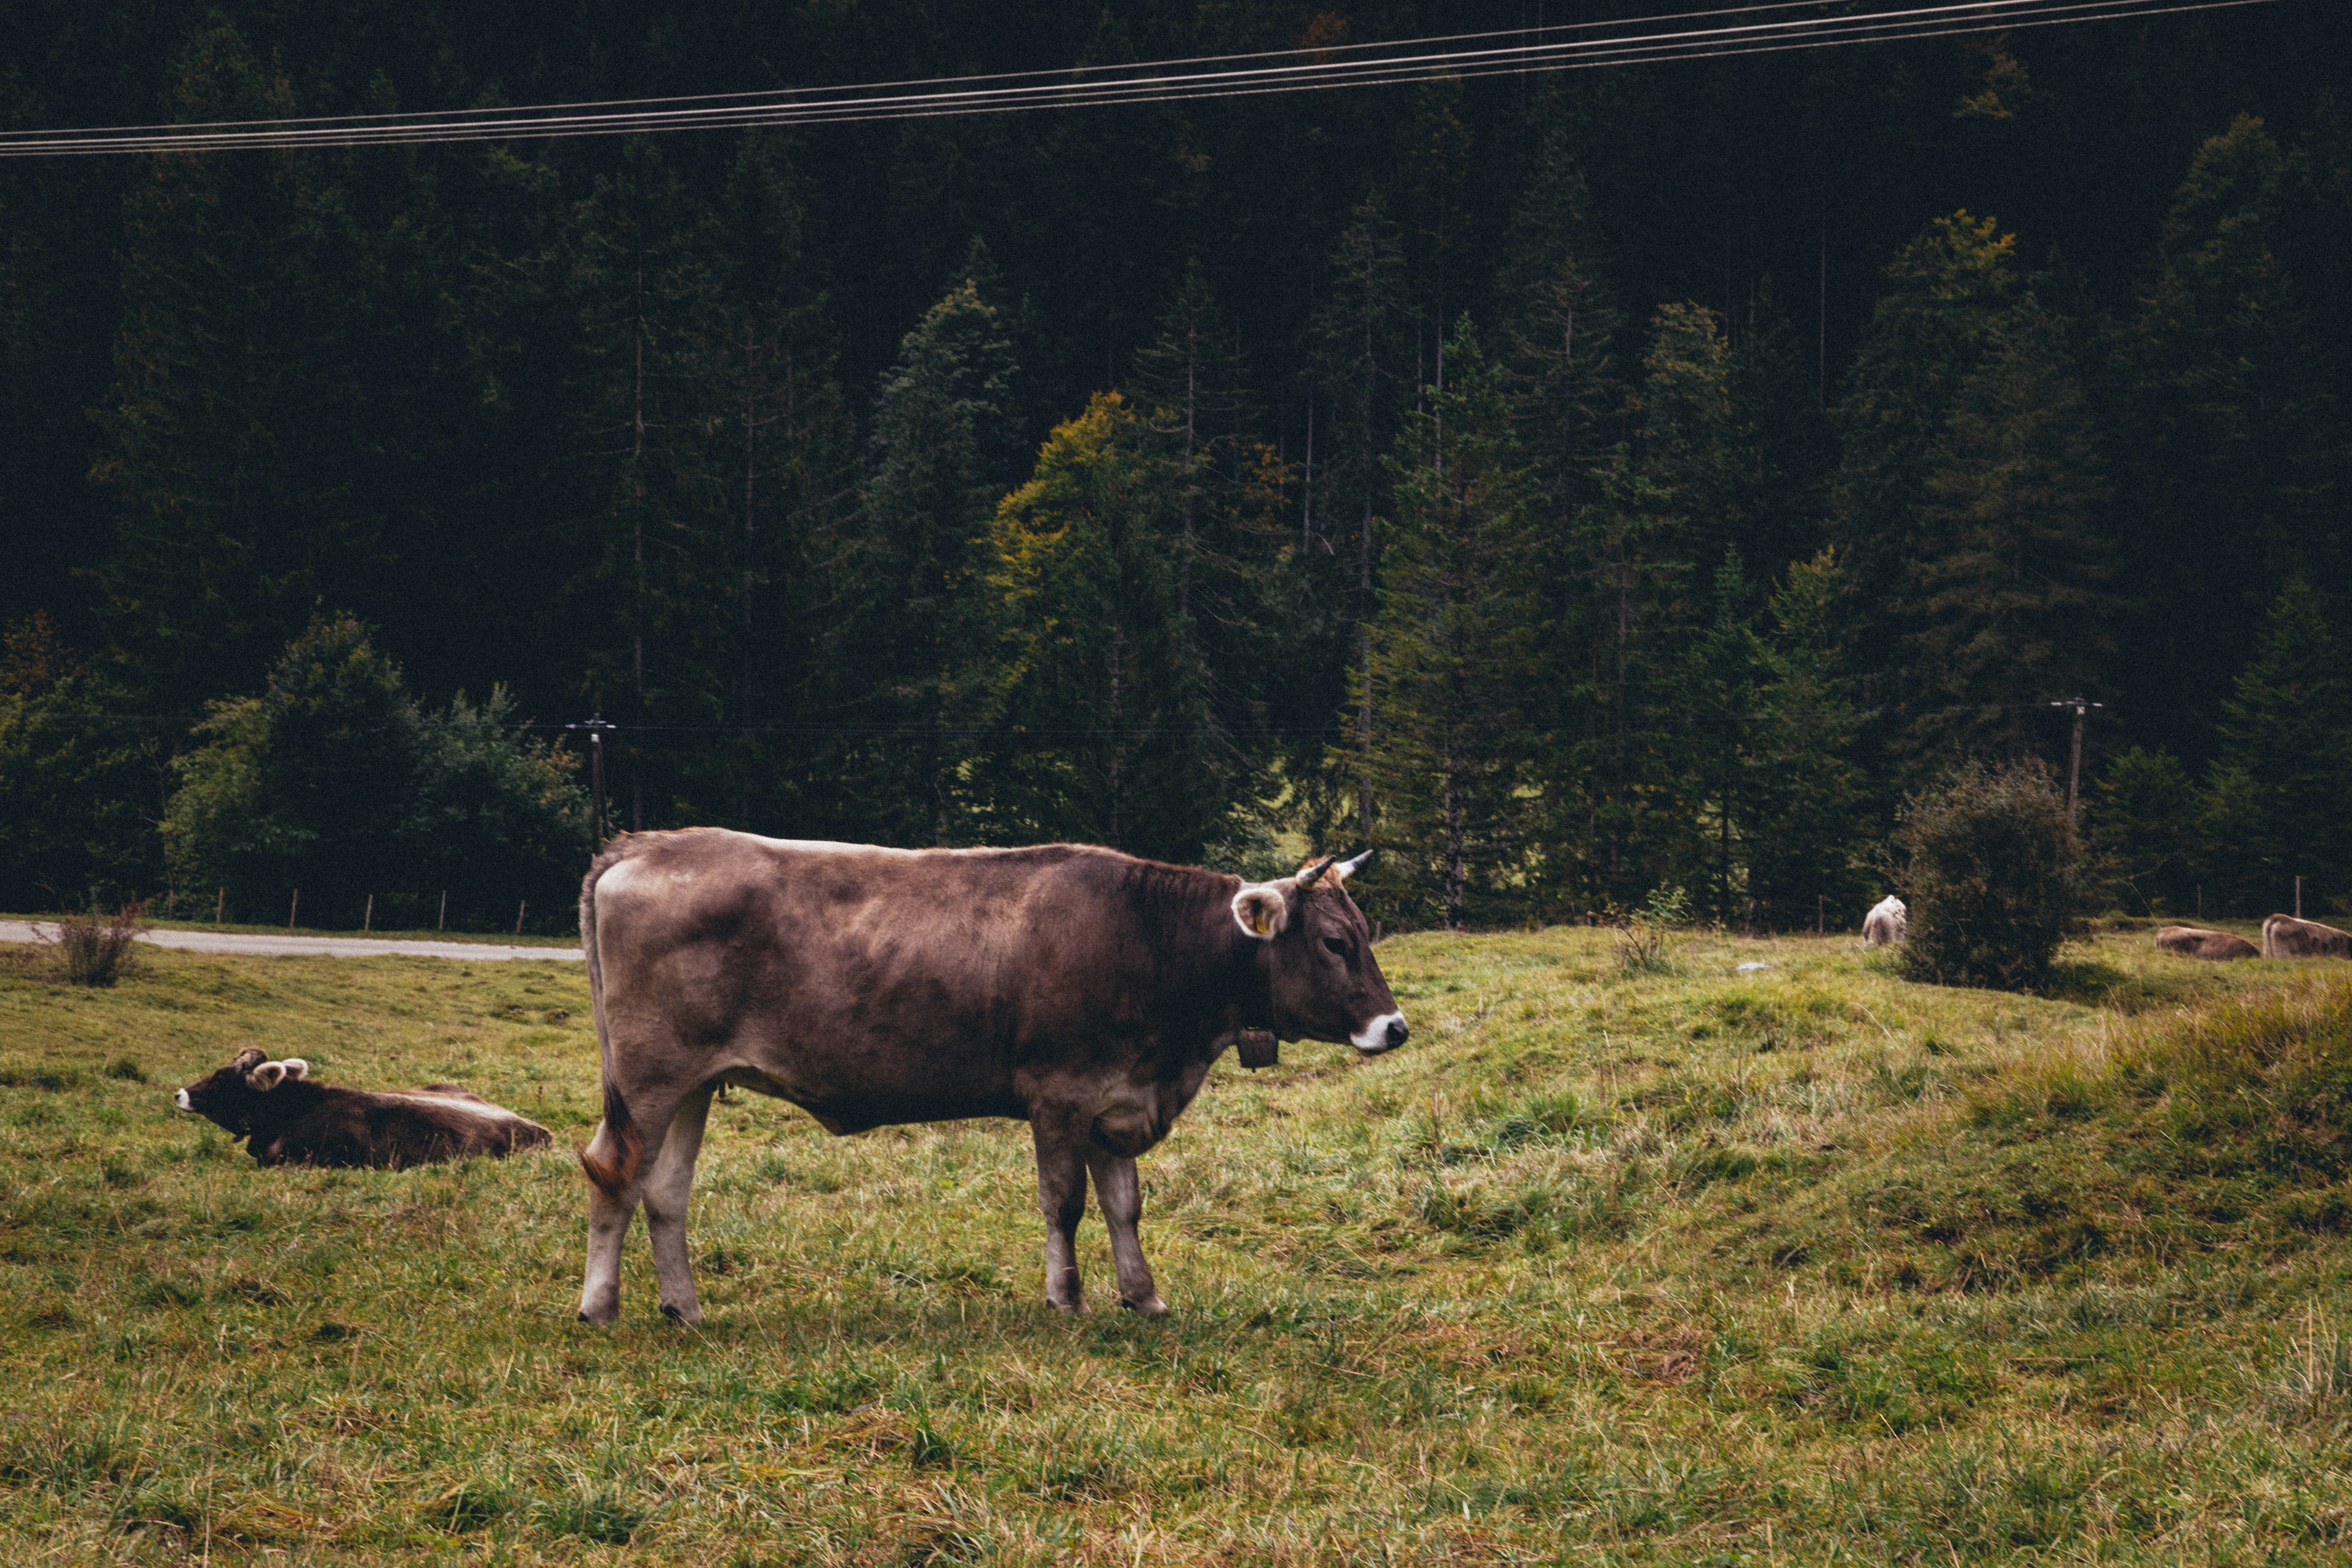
(1645, 936)
(1993, 873)
(95, 951)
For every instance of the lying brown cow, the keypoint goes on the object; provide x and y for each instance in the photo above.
(1079, 990)
(2195, 942)
(287, 1119)
(2284, 936)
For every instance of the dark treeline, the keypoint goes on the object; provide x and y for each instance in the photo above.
(1575, 484)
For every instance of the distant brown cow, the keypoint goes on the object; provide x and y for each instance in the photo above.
(2284, 936)
(287, 1119)
(2195, 942)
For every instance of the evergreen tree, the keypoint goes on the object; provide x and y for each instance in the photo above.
(2235, 452)
(83, 788)
(1559, 326)
(2010, 589)
(1696, 445)
(2142, 829)
(1455, 649)
(2288, 729)
(909, 619)
(1809, 821)
(785, 443)
(1951, 292)
(248, 464)
(1218, 494)
(653, 524)
(1365, 368)
(1093, 685)
(1722, 706)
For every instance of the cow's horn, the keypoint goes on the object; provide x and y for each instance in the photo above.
(1349, 868)
(1307, 878)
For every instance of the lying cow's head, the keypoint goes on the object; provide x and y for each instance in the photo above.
(1318, 958)
(232, 1096)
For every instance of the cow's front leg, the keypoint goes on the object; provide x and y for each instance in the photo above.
(1120, 1193)
(666, 1191)
(1061, 1141)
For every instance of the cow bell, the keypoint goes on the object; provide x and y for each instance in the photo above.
(1257, 1048)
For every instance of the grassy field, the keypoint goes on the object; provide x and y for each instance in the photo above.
(1803, 1264)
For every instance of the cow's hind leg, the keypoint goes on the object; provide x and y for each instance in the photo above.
(610, 1209)
(1061, 1142)
(666, 1190)
(609, 1214)
(1120, 1193)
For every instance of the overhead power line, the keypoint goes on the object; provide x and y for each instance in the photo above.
(1788, 25)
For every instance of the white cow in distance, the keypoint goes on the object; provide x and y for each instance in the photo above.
(1884, 925)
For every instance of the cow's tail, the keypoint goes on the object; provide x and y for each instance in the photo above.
(616, 1170)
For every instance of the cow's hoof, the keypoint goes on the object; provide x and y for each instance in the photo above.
(688, 1316)
(1077, 1309)
(1152, 1307)
(599, 1319)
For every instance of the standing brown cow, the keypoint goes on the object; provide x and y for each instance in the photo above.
(2284, 936)
(1077, 989)
(2195, 942)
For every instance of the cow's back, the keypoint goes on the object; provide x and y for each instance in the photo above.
(868, 984)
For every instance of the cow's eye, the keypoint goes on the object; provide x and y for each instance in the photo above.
(1336, 945)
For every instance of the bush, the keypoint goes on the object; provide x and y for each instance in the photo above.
(336, 782)
(97, 951)
(1994, 876)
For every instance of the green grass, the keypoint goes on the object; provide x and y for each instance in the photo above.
(1802, 1265)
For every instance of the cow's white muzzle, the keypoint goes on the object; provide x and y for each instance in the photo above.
(1385, 1033)
(179, 1099)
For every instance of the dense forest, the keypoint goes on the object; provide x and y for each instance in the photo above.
(1578, 485)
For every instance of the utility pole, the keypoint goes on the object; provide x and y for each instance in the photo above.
(596, 726)
(2074, 769)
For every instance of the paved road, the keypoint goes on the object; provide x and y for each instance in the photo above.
(307, 946)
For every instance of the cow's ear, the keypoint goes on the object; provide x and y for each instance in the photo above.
(296, 1067)
(267, 1076)
(1261, 910)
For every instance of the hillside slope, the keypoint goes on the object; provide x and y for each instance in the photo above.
(1794, 1264)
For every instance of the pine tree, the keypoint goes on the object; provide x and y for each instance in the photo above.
(238, 429)
(2010, 589)
(1560, 325)
(1951, 291)
(1365, 369)
(786, 440)
(2142, 817)
(1455, 649)
(1809, 821)
(1723, 707)
(2288, 729)
(1217, 492)
(1092, 682)
(1696, 445)
(909, 620)
(2233, 452)
(654, 525)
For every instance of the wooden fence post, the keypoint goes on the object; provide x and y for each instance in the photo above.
(520, 909)
(294, 909)
(367, 920)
